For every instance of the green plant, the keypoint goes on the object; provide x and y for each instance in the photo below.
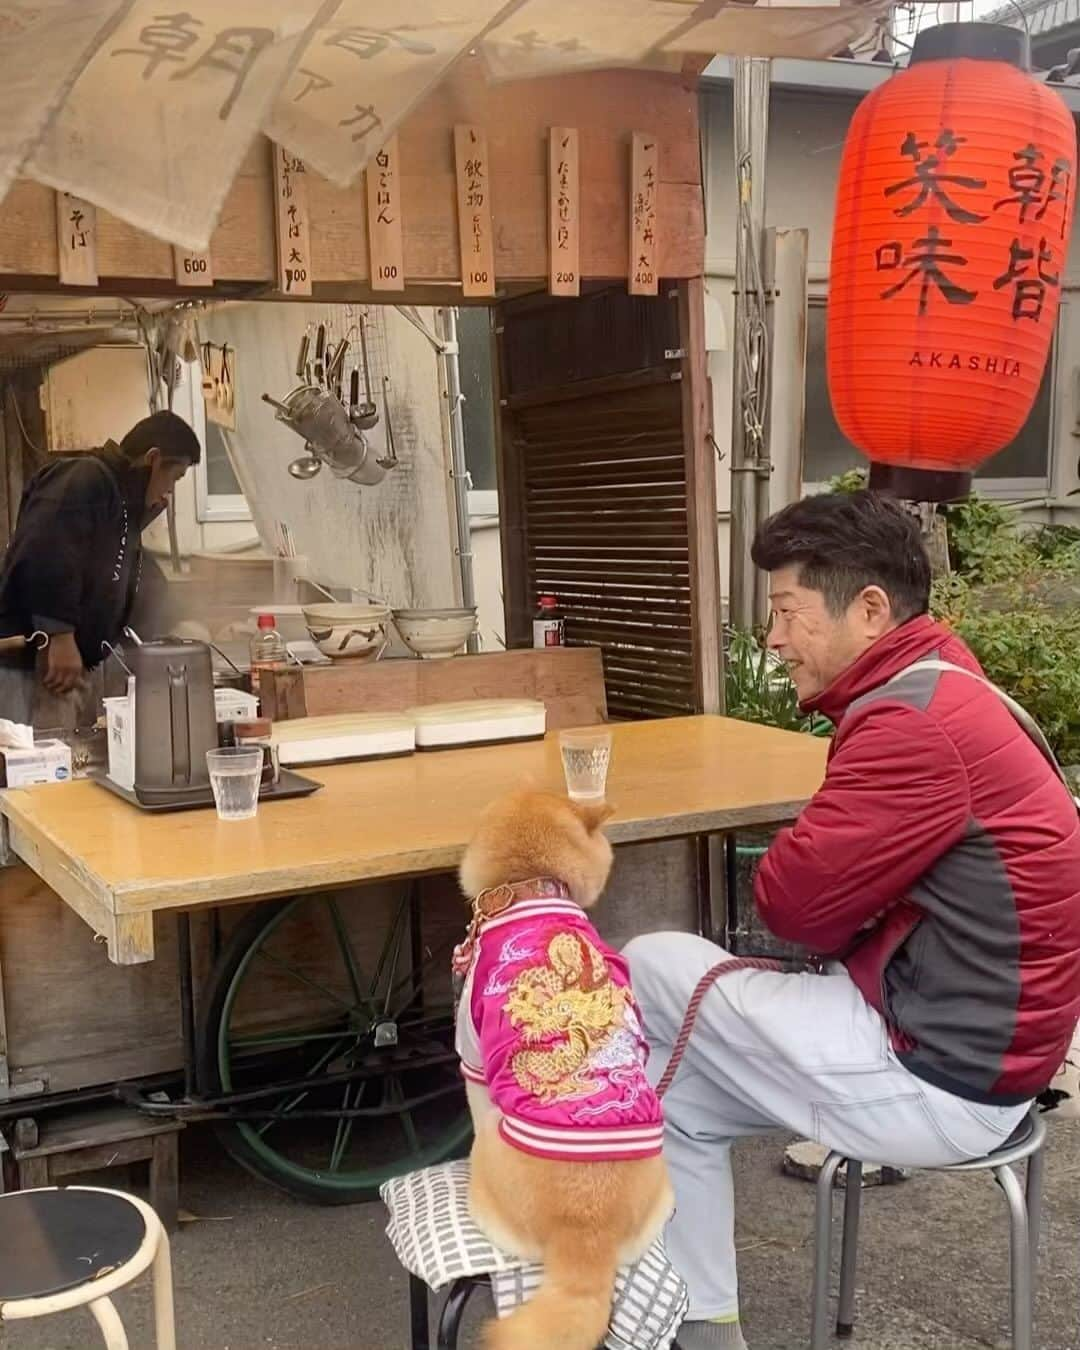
(1031, 650)
(853, 480)
(759, 688)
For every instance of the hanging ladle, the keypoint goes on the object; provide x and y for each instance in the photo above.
(364, 415)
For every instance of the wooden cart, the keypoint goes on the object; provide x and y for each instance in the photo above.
(324, 1006)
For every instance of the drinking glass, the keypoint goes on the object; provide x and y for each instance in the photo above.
(235, 775)
(585, 757)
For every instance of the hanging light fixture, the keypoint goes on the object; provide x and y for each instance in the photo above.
(953, 216)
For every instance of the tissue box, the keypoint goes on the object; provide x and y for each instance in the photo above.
(47, 762)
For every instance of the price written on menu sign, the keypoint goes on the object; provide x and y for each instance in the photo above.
(192, 269)
(644, 185)
(385, 241)
(474, 211)
(293, 223)
(76, 238)
(564, 212)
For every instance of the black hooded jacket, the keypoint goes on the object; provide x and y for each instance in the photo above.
(75, 557)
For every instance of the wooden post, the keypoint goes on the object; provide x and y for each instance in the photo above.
(386, 248)
(644, 185)
(475, 232)
(564, 212)
(293, 224)
(701, 501)
(192, 269)
(76, 240)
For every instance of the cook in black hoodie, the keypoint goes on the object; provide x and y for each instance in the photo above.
(72, 567)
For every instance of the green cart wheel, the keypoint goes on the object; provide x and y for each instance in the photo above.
(342, 1071)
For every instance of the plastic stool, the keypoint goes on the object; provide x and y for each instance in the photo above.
(66, 1247)
(1024, 1215)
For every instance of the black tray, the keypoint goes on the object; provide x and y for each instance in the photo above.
(289, 784)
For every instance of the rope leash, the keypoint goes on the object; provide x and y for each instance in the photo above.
(693, 1007)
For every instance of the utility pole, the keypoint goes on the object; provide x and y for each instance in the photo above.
(750, 466)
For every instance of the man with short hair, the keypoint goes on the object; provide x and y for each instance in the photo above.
(937, 868)
(72, 567)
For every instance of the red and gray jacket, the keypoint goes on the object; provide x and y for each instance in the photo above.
(940, 861)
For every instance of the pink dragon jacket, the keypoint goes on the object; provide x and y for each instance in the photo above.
(548, 1025)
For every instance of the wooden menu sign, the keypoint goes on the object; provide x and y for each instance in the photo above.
(644, 184)
(192, 269)
(293, 223)
(385, 242)
(76, 240)
(564, 212)
(474, 211)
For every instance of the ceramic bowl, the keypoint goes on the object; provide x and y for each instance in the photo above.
(348, 632)
(435, 634)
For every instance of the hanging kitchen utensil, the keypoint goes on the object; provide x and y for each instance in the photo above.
(302, 357)
(336, 363)
(390, 459)
(17, 642)
(330, 437)
(320, 354)
(364, 415)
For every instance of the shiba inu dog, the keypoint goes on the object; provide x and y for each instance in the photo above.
(566, 1166)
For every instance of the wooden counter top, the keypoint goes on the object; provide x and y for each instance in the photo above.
(117, 866)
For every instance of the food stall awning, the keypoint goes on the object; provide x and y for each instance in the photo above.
(147, 109)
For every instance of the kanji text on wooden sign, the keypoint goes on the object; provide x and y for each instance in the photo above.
(385, 240)
(474, 211)
(76, 239)
(644, 185)
(293, 223)
(564, 212)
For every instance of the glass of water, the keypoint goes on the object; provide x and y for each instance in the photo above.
(586, 755)
(235, 776)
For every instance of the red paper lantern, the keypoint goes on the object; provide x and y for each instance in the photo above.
(953, 216)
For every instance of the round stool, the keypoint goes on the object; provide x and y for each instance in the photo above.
(65, 1247)
(1026, 1142)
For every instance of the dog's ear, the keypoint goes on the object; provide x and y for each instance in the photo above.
(592, 814)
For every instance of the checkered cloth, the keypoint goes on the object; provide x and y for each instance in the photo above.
(435, 1239)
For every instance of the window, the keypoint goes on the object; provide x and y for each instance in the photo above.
(1023, 465)
(475, 355)
(218, 492)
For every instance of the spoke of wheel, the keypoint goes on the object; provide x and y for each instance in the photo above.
(283, 1038)
(343, 1133)
(380, 965)
(362, 1001)
(412, 984)
(303, 979)
(399, 938)
(317, 1067)
(396, 1093)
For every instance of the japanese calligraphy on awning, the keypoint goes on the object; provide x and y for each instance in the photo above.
(43, 47)
(364, 71)
(146, 108)
(157, 125)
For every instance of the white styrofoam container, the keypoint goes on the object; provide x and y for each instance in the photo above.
(120, 731)
(235, 705)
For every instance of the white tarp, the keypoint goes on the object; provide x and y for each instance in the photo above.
(43, 47)
(158, 123)
(147, 107)
(363, 73)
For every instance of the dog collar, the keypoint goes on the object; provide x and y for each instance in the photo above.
(496, 900)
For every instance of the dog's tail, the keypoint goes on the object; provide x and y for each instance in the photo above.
(571, 1309)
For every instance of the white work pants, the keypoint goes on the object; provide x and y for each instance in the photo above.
(769, 1051)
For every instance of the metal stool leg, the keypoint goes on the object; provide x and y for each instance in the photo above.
(454, 1310)
(819, 1331)
(845, 1312)
(1019, 1257)
(419, 1326)
(1033, 1190)
(108, 1319)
